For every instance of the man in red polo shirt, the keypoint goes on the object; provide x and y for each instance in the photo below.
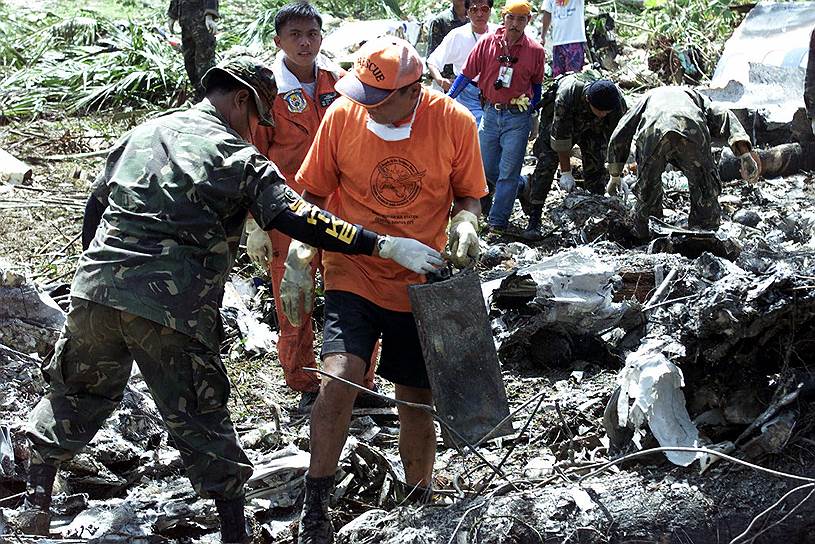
(509, 66)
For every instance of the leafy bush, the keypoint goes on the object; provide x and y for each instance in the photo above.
(84, 64)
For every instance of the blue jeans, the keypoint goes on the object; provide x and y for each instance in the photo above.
(470, 98)
(502, 136)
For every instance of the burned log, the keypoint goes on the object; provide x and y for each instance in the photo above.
(781, 160)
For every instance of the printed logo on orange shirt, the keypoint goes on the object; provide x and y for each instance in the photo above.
(396, 182)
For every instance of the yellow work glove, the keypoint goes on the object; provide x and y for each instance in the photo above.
(258, 244)
(521, 101)
(463, 245)
(297, 286)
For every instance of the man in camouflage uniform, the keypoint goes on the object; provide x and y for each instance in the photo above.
(440, 26)
(676, 125)
(809, 82)
(197, 19)
(167, 214)
(579, 109)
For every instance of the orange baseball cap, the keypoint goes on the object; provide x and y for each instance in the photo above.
(382, 66)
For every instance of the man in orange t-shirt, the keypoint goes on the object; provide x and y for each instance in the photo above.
(305, 90)
(398, 157)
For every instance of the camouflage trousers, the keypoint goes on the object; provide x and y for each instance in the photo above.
(593, 146)
(198, 46)
(696, 162)
(188, 381)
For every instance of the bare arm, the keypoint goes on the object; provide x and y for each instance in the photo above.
(440, 80)
(472, 205)
(546, 20)
(319, 201)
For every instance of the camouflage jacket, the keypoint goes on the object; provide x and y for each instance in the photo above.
(439, 27)
(176, 192)
(573, 116)
(180, 8)
(809, 81)
(671, 109)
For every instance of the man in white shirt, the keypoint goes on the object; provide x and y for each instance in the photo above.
(566, 18)
(456, 47)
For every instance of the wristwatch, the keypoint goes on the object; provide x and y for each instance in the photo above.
(381, 240)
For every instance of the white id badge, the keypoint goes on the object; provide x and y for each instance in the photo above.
(505, 75)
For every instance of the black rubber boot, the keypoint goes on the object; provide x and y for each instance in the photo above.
(34, 516)
(233, 521)
(535, 218)
(315, 525)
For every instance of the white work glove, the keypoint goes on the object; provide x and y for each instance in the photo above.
(410, 253)
(463, 239)
(536, 125)
(258, 244)
(209, 21)
(297, 285)
(613, 186)
(566, 181)
(749, 168)
(813, 126)
(171, 24)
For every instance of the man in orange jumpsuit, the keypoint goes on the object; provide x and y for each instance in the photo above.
(305, 85)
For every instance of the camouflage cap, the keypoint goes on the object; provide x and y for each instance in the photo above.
(256, 76)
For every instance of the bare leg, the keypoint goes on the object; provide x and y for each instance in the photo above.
(417, 436)
(331, 414)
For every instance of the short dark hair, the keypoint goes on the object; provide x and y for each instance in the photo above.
(468, 2)
(296, 11)
(220, 82)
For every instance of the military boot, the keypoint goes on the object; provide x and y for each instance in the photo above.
(533, 228)
(233, 521)
(34, 516)
(315, 525)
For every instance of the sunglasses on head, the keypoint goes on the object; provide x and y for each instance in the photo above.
(507, 58)
(476, 9)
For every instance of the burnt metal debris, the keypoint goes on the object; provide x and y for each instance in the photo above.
(612, 347)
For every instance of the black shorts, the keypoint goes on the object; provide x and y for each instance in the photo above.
(353, 324)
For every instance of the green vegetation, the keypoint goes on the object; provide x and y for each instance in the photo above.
(689, 34)
(59, 57)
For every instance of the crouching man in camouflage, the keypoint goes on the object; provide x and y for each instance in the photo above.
(579, 109)
(163, 225)
(675, 125)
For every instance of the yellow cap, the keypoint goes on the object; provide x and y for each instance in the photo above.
(517, 7)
